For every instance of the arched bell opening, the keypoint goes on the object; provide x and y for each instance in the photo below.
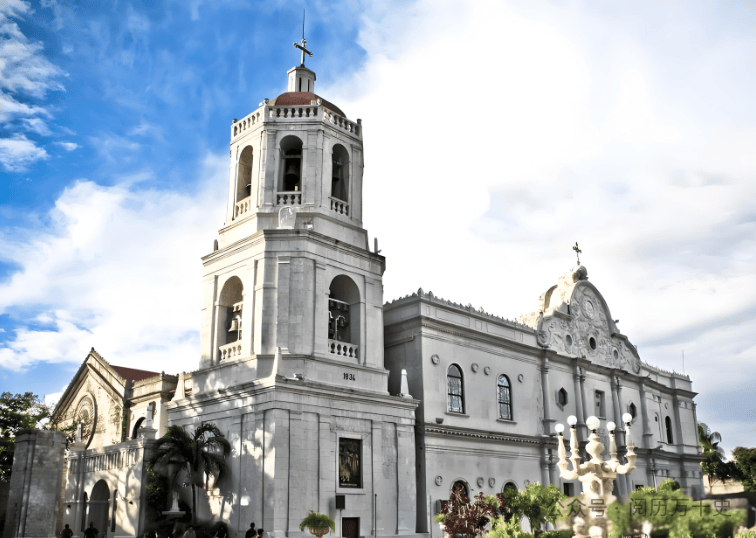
(135, 431)
(344, 316)
(99, 505)
(291, 164)
(340, 173)
(229, 320)
(244, 176)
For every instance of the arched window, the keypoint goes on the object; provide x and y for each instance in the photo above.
(291, 164)
(344, 317)
(461, 486)
(454, 384)
(244, 177)
(632, 410)
(229, 321)
(668, 424)
(503, 389)
(340, 173)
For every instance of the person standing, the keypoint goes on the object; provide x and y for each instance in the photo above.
(91, 531)
(251, 532)
(66, 533)
(260, 533)
(190, 532)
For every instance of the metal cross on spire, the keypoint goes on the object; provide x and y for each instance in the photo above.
(303, 46)
(577, 250)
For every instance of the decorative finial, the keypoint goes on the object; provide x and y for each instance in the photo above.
(576, 248)
(303, 46)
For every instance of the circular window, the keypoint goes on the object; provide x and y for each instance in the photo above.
(592, 343)
(568, 340)
(616, 355)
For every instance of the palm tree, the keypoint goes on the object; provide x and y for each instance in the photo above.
(201, 453)
(709, 440)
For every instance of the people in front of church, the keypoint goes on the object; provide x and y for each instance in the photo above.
(222, 531)
(251, 532)
(66, 533)
(91, 531)
(260, 533)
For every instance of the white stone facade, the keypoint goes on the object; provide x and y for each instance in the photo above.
(568, 358)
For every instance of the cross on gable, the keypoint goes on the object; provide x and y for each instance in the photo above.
(577, 250)
(303, 48)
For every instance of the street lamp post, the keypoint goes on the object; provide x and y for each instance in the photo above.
(596, 475)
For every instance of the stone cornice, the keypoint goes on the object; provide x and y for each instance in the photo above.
(450, 431)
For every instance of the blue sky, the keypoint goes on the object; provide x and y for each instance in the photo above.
(496, 135)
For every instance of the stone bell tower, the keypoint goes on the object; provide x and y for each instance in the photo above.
(293, 269)
(291, 367)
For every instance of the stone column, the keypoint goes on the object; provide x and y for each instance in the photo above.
(647, 435)
(547, 420)
(617, 411)
(577, 376)
(679, 440)
(582, 428)
(268, 165)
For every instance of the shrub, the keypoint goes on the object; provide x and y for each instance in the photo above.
(671, 513)
(314, 520)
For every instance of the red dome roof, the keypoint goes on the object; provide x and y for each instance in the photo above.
(303, 98)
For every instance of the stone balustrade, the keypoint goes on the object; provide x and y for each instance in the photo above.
(242, 207)
(289, 198)
(339, 206)
(345, 124)
(293, 111)
(246, 123)
(279, 113)
(229, 351)
(344, 349)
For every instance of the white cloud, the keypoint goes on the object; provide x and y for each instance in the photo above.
(499, 134)
(68, 146)
(17, 154)
(113, 268)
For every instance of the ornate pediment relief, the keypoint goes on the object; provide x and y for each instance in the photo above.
(574, 321)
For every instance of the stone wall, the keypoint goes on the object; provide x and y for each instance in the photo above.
(34, 498)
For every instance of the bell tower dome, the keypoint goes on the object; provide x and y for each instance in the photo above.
(293, 273)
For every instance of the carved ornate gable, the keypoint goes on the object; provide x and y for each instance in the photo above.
(574, 320)
(95, 398)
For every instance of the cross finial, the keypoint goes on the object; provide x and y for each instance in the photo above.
(303, 46)
(577, 250)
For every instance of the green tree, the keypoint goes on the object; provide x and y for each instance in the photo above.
(713, 463)
(199, 455)
(17, 412)
(745, 462)
(669, 510)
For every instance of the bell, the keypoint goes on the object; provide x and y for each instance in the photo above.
(234, 325)
(293, 170)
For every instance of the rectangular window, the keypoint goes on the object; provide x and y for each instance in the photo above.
(350, 463)
(568, 489)
(600, 407)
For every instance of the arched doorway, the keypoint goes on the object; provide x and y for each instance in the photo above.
(99, 503)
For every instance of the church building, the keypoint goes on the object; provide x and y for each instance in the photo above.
(336, 402)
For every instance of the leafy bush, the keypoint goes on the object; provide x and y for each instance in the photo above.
(746, 534)
(568, 533)
(315, 520)
(508, 529)
(460, 517)
(671, 513)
